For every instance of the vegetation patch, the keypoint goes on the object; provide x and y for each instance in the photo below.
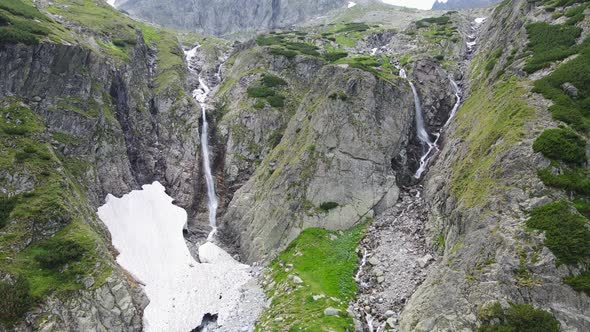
(516, 318)
(567, 233)
(21, 23)
(568, 87)
(561, 144)
(327, 206)
(550, 43)
(572, 180)
(334, 56)
(15, 300)
(581, 282)
(265, 90)
(325, 262)
(490, 122)
(426, 22)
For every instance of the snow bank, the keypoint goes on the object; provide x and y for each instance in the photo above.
(351, 4)
(146, 229)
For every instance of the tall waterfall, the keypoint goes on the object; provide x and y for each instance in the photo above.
(200, 95)
(421, 132)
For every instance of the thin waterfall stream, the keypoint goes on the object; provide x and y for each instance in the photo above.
(201, 94)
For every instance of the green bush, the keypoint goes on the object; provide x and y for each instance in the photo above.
(6, 207)
(335, 56)
(516, 318)
(573, 110)
(283, 52)
(56, 254)
(440, 20)
(327, 206)
(269, 40)
(583, 206)
(566, 233)
(276, 101)
(272, 81)
(354, 27)
(549, 43)
(439, 57)
(18, 8)
(303, 48)
(576, 180)
(260, 92)
(260, 103)
(15, 300)
(561, 144)
(581, 282)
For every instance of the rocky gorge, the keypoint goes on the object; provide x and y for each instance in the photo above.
(310, 135)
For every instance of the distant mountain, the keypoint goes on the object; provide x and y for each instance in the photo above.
(462, 4)
(220, 17)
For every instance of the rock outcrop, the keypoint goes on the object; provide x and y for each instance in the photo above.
(222, 17)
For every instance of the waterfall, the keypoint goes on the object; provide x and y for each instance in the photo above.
(421, 132)
(200, 95)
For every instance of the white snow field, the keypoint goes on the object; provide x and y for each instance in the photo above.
(146, 229)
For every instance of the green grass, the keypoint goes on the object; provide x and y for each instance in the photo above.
(20, 22)
(490, 122)
(567, 233)
(549, 43)
(327, 267)
(561, 144)
(289, 54)
(353, 27)
(516, 318)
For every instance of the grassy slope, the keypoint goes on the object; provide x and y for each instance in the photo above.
(326, 262)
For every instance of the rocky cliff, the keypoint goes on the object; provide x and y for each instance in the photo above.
(87, 109)
(223, 17)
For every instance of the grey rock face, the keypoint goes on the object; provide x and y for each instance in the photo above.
(462, 4)
(126, 133)
(332, 151)
(221, 17)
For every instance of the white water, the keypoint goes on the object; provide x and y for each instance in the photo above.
(200, 95)
(363, 262)
(146, 229)
(421, 132)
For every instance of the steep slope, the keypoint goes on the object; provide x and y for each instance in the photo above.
(222, 17)
(92, 103)
(496, 270)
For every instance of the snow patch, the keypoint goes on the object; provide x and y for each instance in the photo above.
(351, 4)
(111, 2)
(480, 20)
(146, 229)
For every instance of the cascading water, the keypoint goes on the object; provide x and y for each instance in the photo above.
(200, 95)
(421, 132)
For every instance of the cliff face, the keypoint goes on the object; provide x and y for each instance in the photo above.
(81, 118)
(222, 17)
(462, 4)
(482, 191)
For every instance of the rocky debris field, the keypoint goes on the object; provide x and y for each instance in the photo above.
(395, 261)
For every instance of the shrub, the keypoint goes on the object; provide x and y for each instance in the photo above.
(577, 180)
(260, 91)
(549, 43)
(303, 48)
(272, 81)
(439, 57)
(6, 207)
(581, 282)
(56, 254)
(277, 101)
(269, 40)
(566, 232)
(334, 56)
(516, 318)
(561, 144)
(15, 300)
(259, 104)
(356, 27)
(327, 206)
(283, 52)
(440, 20)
